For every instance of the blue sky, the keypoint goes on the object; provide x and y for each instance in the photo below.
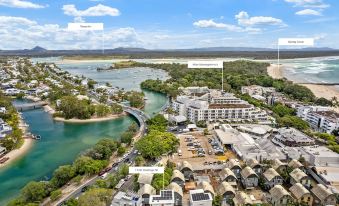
(167, 24)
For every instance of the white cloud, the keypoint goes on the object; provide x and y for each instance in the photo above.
(308, 12)
(98, 10)
(10, 21)
(208, 24)
(319, 37)
(52, 36)
(245, 20)
(212, 24)
(21, 4)
(309, 3)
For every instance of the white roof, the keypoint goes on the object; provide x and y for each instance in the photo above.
(179, 118)
(191, 126)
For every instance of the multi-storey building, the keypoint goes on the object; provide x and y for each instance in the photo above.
(323, 121)
(213, 105)
(303, 111)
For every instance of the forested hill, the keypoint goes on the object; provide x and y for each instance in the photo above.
(252, 53)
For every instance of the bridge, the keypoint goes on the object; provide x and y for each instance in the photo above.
(30, 106)
(139, 115)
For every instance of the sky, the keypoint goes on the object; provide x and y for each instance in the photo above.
(167, 24)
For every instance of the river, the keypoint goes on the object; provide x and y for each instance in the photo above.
(62, 142)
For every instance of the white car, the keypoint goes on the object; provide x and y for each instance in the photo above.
(103, 176)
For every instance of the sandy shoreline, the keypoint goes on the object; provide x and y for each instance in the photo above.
(100, 119)
(15, 154)
(325, 91)
(76, 61)
(275, 71)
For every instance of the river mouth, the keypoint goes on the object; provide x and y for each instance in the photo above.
(62, 142)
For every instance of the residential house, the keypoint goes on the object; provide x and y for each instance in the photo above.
(207, 187)
(2, 150)
(227, 191)
(298, 176)
(5, 129)
(272, 178)
(200, 198)
(242, 199)
(178, 178)
(227, 175)
(235, 167)
(145, 192)
(294, 164)
(164, 198)
(249, 178)
(3, 110)
(323, 195)
(145, 179)
(255, 165)
(186, 169)
(178, 193)
(301, 194)
(279, 166)
(279, 196)
(122, 198)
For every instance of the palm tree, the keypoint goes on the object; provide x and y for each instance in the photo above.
(335, 101)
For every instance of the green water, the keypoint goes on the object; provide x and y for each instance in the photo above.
(60, 144)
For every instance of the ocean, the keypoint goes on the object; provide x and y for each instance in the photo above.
(315, 70)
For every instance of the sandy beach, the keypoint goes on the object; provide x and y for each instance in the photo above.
(324, 91)
(15, 154)
(77, 61)
(99, 119)
(275, 71)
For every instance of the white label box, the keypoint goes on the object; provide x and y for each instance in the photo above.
(205, 64)
(146, 170)
(296, 41)
(85, 26)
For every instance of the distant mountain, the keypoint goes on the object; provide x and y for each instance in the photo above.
(130, 49)
(317, 49)
(38, 49)
(208, 52)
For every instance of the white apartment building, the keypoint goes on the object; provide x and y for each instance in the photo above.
(302, 111)
(323, 121)
(257, 90)
(213, 105)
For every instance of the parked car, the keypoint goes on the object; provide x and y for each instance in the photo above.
(191, 149)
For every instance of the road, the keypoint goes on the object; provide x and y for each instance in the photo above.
(76, 193)
(129, 157)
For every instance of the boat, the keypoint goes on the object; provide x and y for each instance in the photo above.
(3, 160)
(37, 137)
